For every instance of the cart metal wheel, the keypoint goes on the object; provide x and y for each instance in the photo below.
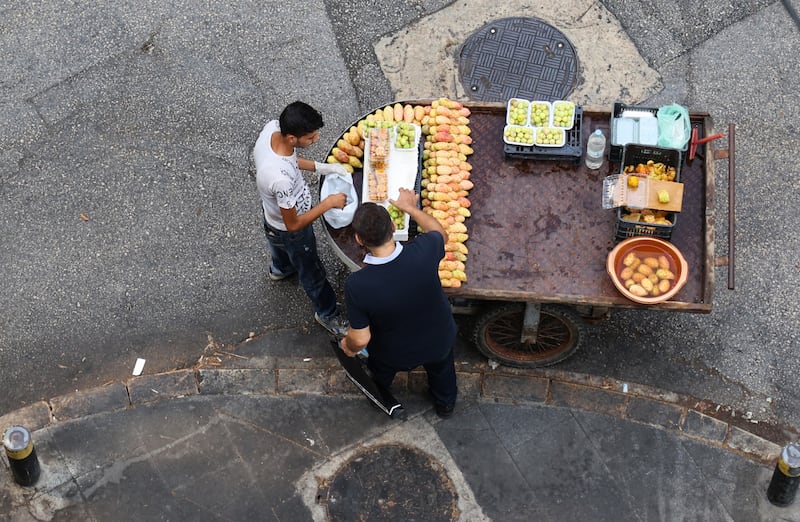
(498, 335)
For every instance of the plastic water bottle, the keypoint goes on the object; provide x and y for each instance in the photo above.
(595, 147)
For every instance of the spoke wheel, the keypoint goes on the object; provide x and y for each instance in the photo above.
(498, 330)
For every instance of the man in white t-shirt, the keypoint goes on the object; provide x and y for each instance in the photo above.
(288, 211)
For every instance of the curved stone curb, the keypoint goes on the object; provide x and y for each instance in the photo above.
(323, 376)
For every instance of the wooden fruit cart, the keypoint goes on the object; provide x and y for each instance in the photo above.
(539, 238)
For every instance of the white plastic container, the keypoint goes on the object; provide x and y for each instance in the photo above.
(547, 112)
(558, 135)
(524, 108)
(511, 136)
(568, 108)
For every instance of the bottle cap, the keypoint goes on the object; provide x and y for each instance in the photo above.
(789, 461)
(16, 438)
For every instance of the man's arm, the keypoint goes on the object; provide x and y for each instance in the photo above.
(407, 202)
(323, 169)
(306, 164)
(296, 222)
(355, 341)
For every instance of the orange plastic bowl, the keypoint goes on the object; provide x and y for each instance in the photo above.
(644, 247)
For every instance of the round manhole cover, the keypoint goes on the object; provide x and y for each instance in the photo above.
(391, 483)
(518, 57)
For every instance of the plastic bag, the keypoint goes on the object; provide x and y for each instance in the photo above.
(334, 184)
(674, 126)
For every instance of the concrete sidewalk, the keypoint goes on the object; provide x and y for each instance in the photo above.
(275, 431)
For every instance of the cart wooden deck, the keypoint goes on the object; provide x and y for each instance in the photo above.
(538, 231)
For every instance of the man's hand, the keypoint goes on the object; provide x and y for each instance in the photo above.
(337, 200)
(406, 201)
(345, 349)
(356, 340)
(323, 169)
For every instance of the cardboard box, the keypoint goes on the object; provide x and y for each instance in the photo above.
(618, 193)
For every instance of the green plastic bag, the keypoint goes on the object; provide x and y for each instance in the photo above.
(674, 126)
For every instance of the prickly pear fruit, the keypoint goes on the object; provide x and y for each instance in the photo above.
(340, 155)
(353, 136)
(345, 146)
(465, 149)
(419, 113)
(408, 114)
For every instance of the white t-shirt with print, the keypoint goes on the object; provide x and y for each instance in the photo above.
(279, 180)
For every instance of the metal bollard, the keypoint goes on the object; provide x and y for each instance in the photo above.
(783, 486)
(21, 456)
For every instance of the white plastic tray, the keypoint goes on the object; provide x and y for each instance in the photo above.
(556, 104)
(512, 142)
(549, 120)
(401, 172)
(560, 131)
(527, 112)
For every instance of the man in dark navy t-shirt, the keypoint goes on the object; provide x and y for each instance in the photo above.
(395, 304)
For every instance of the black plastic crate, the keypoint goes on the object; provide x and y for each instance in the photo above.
(625, 229)
(633, 154)
(615, 151)
(571, 151)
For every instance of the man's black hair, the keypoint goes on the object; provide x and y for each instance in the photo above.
(372, 224)
(299, 119)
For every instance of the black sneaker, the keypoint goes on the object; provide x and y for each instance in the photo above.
(279, 277)
(336, 325)
(444, 411)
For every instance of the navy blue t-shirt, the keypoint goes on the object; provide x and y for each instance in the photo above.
(402, 302)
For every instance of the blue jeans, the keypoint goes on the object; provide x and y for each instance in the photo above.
(297, 252)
